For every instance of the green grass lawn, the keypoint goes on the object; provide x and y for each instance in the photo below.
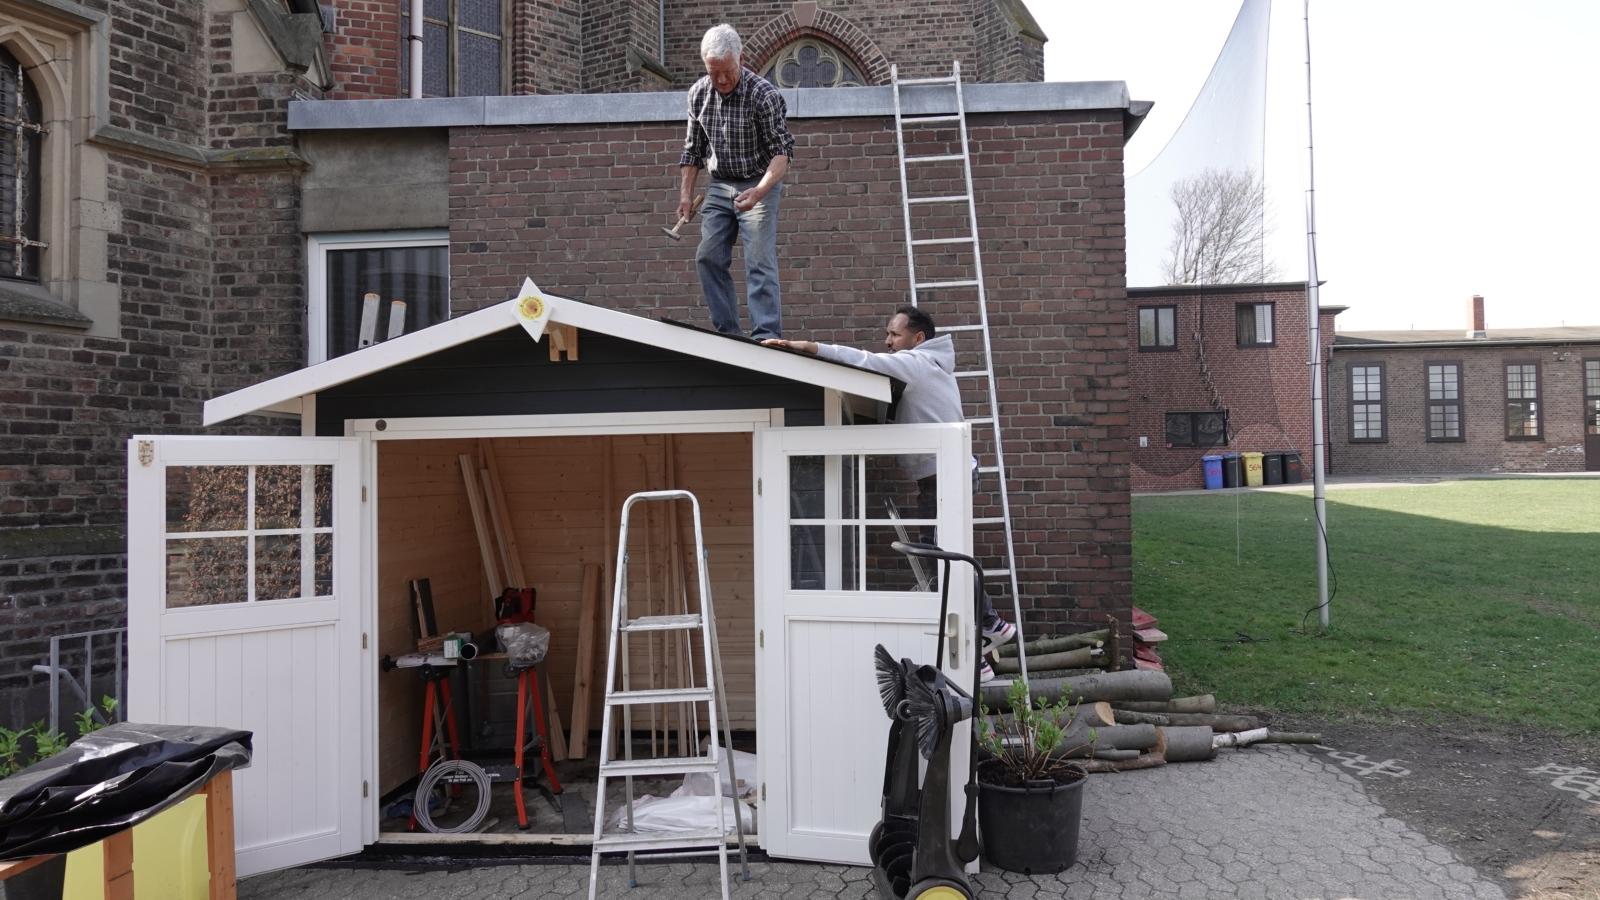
(1472, 599)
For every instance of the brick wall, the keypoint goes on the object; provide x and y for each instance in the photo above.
(538, 201)
(207, 263)
(1266, 390)
(158, 68)
(562, 47)
(364, 53)
(1407, 451)
(547, 56)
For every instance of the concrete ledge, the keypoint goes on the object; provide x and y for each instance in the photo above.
(669, 106)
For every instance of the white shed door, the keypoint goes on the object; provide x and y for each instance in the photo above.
(829, 590)
(243, 562)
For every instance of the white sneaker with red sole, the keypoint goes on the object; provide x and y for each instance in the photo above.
(1003, 633)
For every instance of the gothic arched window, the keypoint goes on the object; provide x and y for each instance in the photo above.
(21, 134)
(811, 63)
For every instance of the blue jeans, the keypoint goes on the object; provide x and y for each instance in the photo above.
(757, 230)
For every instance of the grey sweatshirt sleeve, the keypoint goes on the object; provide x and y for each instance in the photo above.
(904, 365)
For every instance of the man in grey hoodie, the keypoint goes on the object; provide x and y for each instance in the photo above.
(925, 362)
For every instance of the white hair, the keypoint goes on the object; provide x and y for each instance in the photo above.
(721, 42)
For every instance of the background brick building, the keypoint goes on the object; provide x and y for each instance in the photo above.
(1191, 357)
(1474, 400)
(188, 226)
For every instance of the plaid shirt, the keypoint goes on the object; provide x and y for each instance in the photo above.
(738, 135)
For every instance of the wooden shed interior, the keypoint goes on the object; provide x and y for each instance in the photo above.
(557, 491)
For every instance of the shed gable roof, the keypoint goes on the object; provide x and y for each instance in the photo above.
(281, 393)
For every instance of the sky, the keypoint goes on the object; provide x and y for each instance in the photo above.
(1455, 142)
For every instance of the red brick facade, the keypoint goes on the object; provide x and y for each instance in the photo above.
(1405, 448)
(602, 46)
(1266, 391)
(208, 260)
(1057, 305)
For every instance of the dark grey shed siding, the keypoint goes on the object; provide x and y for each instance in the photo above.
(506, 374)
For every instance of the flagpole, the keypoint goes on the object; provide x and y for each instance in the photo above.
(1314, 347)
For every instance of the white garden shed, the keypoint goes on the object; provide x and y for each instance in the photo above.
(267, 574)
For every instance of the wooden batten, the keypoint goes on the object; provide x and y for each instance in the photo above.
(555, 492)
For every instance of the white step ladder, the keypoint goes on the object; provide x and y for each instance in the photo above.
(712, 694)
(975, 320)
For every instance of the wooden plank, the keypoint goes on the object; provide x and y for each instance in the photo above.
(480, 524)
(16, 867)
(369, 320)
(497, 525)
(220, 838)
(511, 564)
(582, 683)
(397, 319)
(514, 570)
(118, 855)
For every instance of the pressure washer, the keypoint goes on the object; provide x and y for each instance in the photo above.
(912, 853)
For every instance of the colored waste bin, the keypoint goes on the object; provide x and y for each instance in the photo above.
(1272, 464)
(1293, 472)
(1252, 469)
(1212, 466)
(1232, 470)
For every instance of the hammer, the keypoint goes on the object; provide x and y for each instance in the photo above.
(693, 205)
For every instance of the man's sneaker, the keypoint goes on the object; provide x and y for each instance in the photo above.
(985, 672)
(1003, 632)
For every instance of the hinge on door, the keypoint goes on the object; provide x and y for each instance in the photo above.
(363, 493)
(758, 487)
(363, 640)
(763, 792)
(363, 789)
(761, 638)
(147, 452)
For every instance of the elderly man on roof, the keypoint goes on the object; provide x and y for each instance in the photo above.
(738, 133)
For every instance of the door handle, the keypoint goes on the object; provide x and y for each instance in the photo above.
(953, 635)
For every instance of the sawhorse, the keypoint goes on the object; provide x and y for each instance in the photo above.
(529, 689)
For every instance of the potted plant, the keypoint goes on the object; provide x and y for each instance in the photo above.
(1030, 795)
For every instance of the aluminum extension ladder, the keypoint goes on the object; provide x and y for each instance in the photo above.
(974, 320)
(712, 694)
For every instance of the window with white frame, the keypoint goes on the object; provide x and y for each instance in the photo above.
(366, 288)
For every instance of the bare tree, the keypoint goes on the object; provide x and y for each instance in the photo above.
(1219, 236)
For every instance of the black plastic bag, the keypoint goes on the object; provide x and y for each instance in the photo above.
(109, 780)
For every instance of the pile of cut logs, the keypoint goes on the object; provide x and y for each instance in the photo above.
(1135, 721)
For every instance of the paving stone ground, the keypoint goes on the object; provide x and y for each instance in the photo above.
(1264, 822)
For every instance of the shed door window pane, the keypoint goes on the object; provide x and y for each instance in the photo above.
(845, 511)
(420, 276)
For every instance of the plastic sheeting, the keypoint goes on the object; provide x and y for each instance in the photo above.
(694, 804)
(1223, 131)
(525, 643)
(109, 780)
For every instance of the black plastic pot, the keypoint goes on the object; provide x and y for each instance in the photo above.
(1031, 829)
